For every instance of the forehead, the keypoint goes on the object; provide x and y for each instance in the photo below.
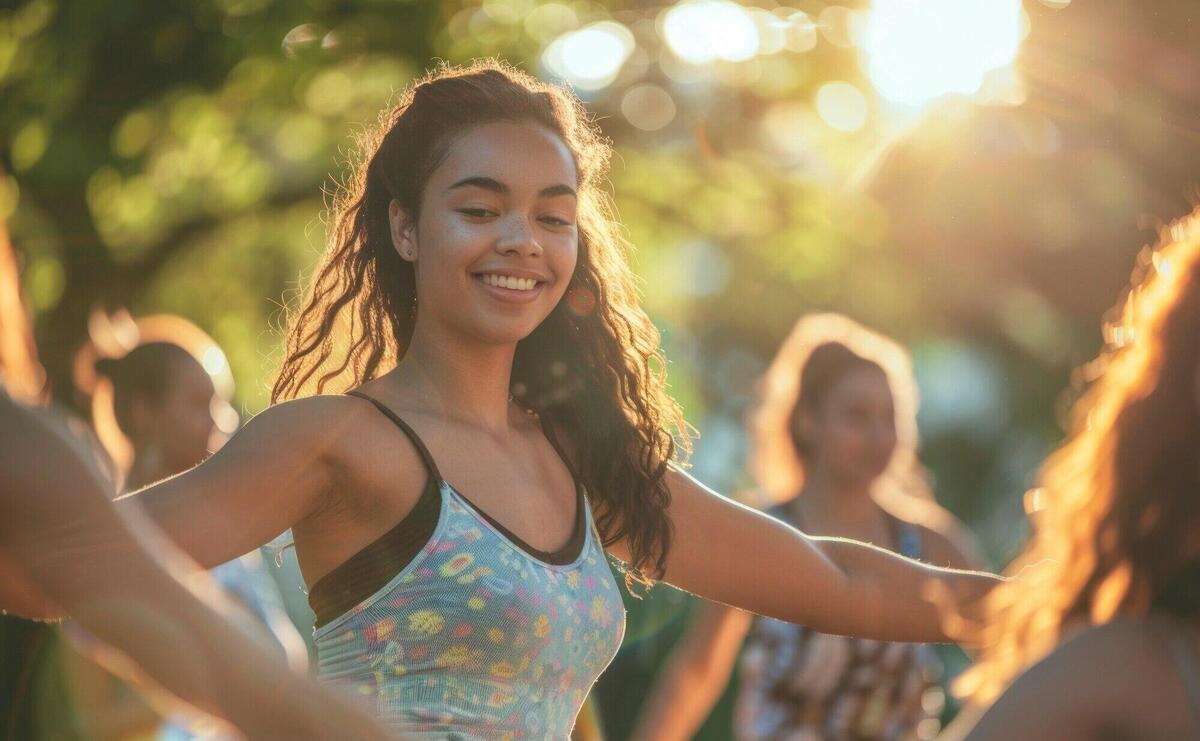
(523, 156)
(190, 377)
(863, 384)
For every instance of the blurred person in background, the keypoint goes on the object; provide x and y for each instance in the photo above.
(834, 445)
(1100, 638)
(161, 408)
(65, 550)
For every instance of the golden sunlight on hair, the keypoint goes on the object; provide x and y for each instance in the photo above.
(1116, 505)
(20, 373)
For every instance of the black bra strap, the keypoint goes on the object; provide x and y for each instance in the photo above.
(409, 432)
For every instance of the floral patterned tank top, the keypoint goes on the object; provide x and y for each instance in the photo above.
(801, 685)
(475, 637)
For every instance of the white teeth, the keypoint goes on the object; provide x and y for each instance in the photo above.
(508, 281)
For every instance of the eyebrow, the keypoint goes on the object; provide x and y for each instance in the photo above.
(496, 186)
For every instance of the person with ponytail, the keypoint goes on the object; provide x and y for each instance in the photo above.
(1100, 638)
(160, 411)
(834, 441)
(472, 415)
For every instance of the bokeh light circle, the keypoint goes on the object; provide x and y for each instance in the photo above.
(918, 50)
(648, 107)
(842, 106)
(703, 31)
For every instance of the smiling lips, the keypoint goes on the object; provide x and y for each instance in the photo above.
(512, 289)
(510, 282)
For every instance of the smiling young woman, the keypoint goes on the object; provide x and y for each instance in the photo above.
(476, 304)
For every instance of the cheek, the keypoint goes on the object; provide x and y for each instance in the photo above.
(890, 440)
(838, 440)
(199, 421)
(445, 247)
(851, 441)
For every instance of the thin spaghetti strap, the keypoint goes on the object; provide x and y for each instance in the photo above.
(409, 432)
(548, 432)
(906, 537)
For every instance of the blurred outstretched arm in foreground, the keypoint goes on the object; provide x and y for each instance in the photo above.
(64, 549)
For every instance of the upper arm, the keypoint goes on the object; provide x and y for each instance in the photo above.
(728, 553)
(268, 477)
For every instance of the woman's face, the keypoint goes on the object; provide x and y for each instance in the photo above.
(496, 241)
(853, 433)
(183, 424)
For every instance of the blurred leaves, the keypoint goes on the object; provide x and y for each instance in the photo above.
(174, 156)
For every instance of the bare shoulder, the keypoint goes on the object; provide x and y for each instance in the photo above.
(1106, 671)
(375, 475)
(1110, 663)
(1137, 646)
(316, 425)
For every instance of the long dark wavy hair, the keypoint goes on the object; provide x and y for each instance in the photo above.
(1118, 505)
(593, 368)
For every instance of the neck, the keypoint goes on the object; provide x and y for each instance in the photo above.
(825, 496)
(459, 377)
(147, 467)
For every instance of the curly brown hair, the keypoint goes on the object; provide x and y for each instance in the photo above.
(593, 369)
(1117, 507)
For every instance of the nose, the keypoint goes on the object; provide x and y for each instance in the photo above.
(518, 239)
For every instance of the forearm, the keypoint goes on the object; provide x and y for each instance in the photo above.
(679, 701)
(694, 675)
(890, 597)
(728, 553)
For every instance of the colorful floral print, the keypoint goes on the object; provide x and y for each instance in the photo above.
(479, 638)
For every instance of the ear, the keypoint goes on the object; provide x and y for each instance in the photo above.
(804, 428)
(403, 230)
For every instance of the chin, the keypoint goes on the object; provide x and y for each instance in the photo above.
(494, 330)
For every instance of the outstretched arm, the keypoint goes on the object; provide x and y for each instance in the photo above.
(270, 476)
(128, 587)
(731, 554)
(694, 675)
